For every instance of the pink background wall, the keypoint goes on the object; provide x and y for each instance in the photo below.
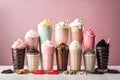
(18, 16)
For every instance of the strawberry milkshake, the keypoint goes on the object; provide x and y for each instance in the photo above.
(31, 39)
(76, 30)
(61, 33)
(89, 40)
(47, 49)
(18, 54)
(75, 50)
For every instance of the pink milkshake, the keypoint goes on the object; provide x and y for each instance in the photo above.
(31, 39)
(47, 49)
(89, 40)
(61, 33)
(76, 30)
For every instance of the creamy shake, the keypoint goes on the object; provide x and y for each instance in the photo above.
(75, 49)
(31, 39)
(62, 52)
(47, 49)
(45, 30)
(18, 54)
(76, 30)
(33, 58)
(61, 33)
(89, 60)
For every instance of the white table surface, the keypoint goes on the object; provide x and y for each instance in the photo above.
(61, 76)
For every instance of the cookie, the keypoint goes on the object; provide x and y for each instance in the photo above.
(22, 71)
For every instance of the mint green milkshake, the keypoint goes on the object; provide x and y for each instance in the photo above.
(45, 32)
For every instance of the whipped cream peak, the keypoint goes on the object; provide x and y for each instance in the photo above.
(31, 34)
(47, 43)
(45, 22)
(61, 24)
(19, 44)
(75, 45)
(89, 33)
(77, 23)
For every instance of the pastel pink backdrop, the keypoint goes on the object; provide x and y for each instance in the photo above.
(19, 16)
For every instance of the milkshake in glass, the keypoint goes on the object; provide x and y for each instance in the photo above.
(102, 51)
(61, 33)
(45, 30)
(89, 60)
(89, 40)
(47, 49)
(62, 52)
(75, 50)
(18, 54)
(31, 39)
(76, 30)
(33, 58)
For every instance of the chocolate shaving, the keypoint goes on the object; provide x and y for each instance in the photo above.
(113, 71)
(8, 71)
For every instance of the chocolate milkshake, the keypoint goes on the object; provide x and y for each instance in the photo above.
(76, 30)
(89, 60)
(33, 58)
(18, 54)
(62, 52)
(75, 49)
(102, 50)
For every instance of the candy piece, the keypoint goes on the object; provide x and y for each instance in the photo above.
(69, 72)
(82, 72)
(39, 72)
(53, 72)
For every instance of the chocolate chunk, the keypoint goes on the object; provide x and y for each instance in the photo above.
(9, 71)
(113, 71)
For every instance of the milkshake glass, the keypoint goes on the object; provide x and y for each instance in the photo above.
(61, 33)
(76, 30)
(47, 49)
(75, 50)
(18, 54)
(33, 58)
(62, 52)
(89, 40)
(31, 39)
(102, 50)
(45, 31)
(89, 60)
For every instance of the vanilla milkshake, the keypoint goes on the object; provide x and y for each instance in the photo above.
(89, 40)
(18, 54)
(33, 58)
(31, 39)
(75, 50)
(76, 30)
(61, 33)
(89, 59)
(47, 49)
